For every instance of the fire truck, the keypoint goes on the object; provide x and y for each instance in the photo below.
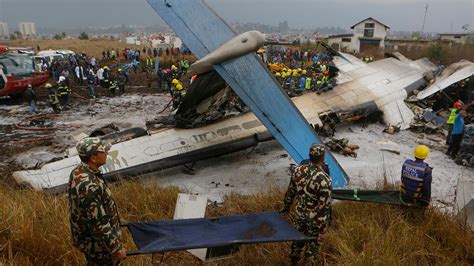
(17, 70)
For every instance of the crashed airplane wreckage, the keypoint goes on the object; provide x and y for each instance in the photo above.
(361, 89)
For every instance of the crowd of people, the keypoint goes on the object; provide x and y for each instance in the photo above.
(298, 71)
(110, 73)
(131, 54)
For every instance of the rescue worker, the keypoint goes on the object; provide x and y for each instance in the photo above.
(178, 94)
(174, 82)
(149, 68)
(63, 91)
(184, 65)
(278, 78)
(53, 98)
(311, 187)
(174, 72)
(457, 133)
(182, 91)
(94, 219)
(106, 78)
(307, 85)
(113, 86)
(416, 178)
(121, 80)
(302, 83)
(453, 113)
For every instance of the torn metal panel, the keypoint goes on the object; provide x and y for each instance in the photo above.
(451, 75)
(437, 121)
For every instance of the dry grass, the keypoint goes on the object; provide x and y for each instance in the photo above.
(34, 229)
(441, 53)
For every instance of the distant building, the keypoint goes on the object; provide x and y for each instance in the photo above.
(461, 38)
(4, 29)
(167, 41)
(132, 40)
(27, 28)
(366, 35)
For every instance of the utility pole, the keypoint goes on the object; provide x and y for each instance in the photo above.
(424, 20)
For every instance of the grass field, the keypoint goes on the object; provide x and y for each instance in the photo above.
(34, 230)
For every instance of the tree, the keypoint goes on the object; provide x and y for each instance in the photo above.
(18, 34)
(437, 53)
(83, 36)
(12, 37)
(416, 35)
(63, 35)
(57, 36)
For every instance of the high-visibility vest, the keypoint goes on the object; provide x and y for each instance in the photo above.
(413, 177)
(63, 89)
(308, 84)
(452, 116)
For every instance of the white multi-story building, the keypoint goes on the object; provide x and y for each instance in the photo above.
(366, 34)
(4, 29)
(27, 28)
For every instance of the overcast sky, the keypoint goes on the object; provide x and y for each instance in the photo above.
(398, 14)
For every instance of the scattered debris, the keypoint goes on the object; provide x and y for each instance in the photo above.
(392, 129)
(343, 147)
(107, 129)
(392, 151)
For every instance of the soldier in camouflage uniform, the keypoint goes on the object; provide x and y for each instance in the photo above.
(311, 187)
(95, 223)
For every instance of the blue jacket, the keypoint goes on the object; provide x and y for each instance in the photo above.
(302, 83)
(458, 127)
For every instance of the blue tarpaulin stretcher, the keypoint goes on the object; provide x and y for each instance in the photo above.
(162, 236)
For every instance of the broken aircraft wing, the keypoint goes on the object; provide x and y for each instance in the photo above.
(381, 85)
(204, 32)
(452, 74)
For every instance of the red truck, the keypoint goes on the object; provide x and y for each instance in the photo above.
(17, 71)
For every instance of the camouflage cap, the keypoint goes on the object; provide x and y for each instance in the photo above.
(317, 150)
(90, 146)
